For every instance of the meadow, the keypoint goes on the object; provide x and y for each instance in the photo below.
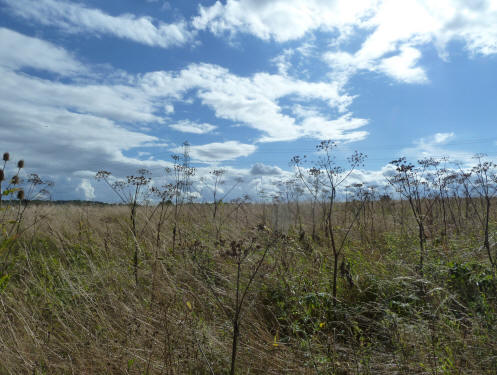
(300, 284)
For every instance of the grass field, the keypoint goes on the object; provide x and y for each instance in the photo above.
(73, 300)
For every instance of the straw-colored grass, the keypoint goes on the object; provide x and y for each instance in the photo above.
(69, 303)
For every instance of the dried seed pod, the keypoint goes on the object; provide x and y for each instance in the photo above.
(20, 164)
(6, 156)
(20, 195)
(15, 180)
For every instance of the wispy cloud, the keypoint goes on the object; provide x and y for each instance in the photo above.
(19, 51)
(186, 126)
(61, 128)
(281, 20)
(392, 30)
(436, 145)
(76, 18)
(219, 151)
(398, 27)
(255, 101)
(89, 116)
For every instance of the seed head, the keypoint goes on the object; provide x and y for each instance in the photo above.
(20, 164)
(20, 195)
(2, 175)
(15, 180)
(6, 156)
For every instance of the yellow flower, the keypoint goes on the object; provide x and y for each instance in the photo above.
(276, 339)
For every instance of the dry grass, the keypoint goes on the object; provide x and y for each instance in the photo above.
(69, 303)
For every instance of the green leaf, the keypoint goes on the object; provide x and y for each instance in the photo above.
(10, 191)
(130, 363)
(5, 244)
(4, 281)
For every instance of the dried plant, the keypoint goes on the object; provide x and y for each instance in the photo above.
(330, 177)
(132, 192)
(413, 183)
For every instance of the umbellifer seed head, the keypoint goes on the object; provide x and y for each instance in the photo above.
(20, 164)
(6, 156)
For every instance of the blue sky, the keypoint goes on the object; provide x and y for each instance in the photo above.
(121, 84)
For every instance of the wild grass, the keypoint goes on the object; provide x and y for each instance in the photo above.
(70, 304)
(306, 284)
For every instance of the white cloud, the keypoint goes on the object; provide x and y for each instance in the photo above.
(239, 182)
(281, 20)
(56, 140)
(20, 51)
(436, 146)
(250, 101)
(440, 138)
(371, 177)
(62, 128)
(87, 189)
(89, 121)
(394, 30)
(89, 114)
(472, 22)
(403, 66)
(117, 102)
(339, 129)
(261, 169)
(76, 18)
(217, 151)
(255, 101)
(282, 61)
(186, 126)
(397, 27)
(434, 140)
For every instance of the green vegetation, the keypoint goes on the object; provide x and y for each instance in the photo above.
(409, 287)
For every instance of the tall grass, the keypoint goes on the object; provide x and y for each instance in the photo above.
(70, 305)
(244, 288)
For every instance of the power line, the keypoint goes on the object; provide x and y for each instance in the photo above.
(396, 148)
(338, 160)
(341, 147)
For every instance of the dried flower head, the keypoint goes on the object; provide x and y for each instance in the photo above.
(20, 195)
(6, 156)
(15, 180)
(34, 179)
(20, 164)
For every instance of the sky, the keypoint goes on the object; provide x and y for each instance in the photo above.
(120, 85)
